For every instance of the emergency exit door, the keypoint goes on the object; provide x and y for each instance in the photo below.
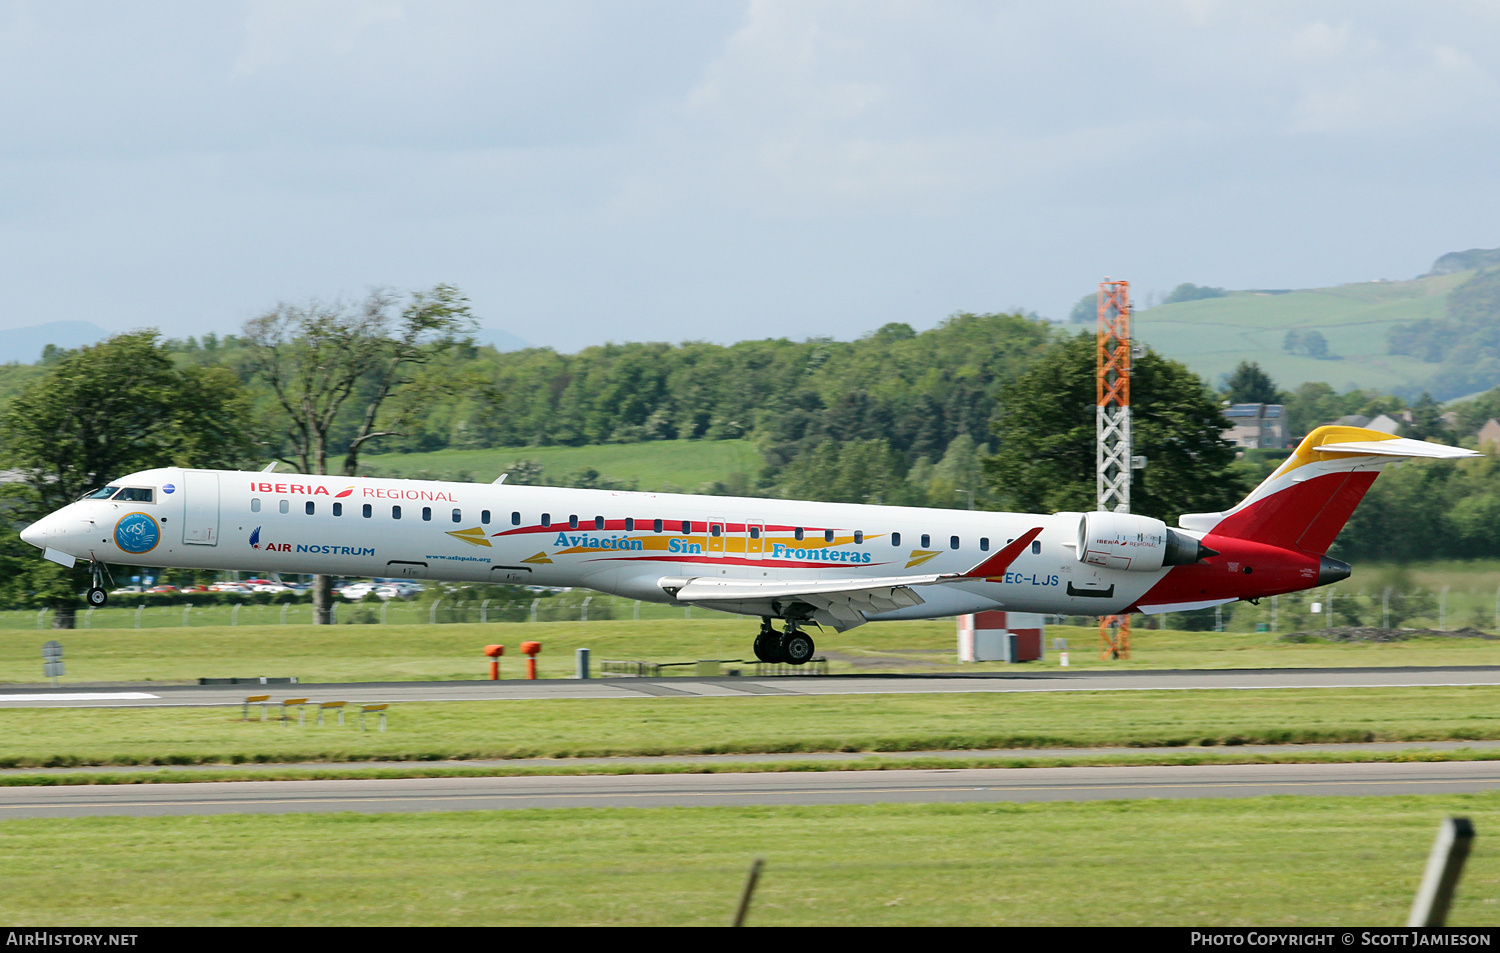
(200, 507)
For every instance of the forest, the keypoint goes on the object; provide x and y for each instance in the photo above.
(989, 411)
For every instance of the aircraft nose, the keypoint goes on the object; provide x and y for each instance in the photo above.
(36, 534)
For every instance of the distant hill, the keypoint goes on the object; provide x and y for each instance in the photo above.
(24, 345)
(1354, 322)
(1456, 261)
(501, 341)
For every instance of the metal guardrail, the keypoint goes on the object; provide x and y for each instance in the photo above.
(631, 668)
(813, 666)
(639, 668)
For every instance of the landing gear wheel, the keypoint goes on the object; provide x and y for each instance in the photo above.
(797, 648)
(97, 597)
(767, 646)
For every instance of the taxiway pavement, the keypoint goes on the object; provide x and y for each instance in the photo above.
(792, 788)
(145, 695)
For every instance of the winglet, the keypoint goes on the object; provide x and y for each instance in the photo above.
(998, 563)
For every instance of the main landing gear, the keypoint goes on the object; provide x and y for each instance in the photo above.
(792, 647)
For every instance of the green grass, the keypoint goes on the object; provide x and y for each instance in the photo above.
(342, 653)
(431, 731)
(1290, 861)
(1213, 335)
(662, 465)
(875, 762)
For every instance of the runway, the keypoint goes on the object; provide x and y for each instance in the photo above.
(772, 789)
(145, 695)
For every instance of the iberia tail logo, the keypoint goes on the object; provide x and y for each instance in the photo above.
(474, 536)
(920, 556)
(343, 493)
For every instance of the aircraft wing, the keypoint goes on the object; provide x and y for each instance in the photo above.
(840, 603)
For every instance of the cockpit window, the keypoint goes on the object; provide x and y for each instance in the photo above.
(135, 494)
(103, 493)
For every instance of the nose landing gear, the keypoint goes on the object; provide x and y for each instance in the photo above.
(792, 647)
(97, 596)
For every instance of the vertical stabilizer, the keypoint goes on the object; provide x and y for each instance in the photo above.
(1310, 497)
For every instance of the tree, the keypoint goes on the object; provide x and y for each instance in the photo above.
(1046, 460)
(1251, 385)
(344, 375)
(104, 411)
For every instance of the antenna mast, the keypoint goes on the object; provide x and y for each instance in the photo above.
(1112, 458)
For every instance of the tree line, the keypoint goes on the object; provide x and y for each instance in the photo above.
(988, 411)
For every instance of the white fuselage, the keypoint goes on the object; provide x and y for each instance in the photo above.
(623, 543)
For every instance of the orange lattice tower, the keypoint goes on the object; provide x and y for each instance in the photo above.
(1112, 429)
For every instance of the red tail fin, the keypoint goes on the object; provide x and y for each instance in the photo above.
(1310, 497)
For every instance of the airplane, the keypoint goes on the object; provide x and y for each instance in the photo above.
(802, 564)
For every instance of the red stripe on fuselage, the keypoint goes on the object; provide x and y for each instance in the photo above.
(1272, 570)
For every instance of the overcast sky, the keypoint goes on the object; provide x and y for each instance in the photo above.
(591, 171)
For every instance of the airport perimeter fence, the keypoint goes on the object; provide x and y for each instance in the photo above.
(1336, 607)
(449, 608)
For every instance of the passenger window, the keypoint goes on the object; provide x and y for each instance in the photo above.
(926, 541)
(395, 512)
(1036, 547)
(484, 517)
(515, 519)
(285, 506)
(895, 539)
(369, 511)
(338, 508)
(687, 527)
(427, 513)
(309, 507)
(255, 505)
(458, 516)
(573, 521)
(755, 532)
(598, 522)
(546, 519)
(714, 529)
(984, 544)
(798, 533)
(656, 526)
(859, 537)
(629, 524)
(952, 542)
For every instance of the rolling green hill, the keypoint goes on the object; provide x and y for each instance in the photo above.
(1212, 335)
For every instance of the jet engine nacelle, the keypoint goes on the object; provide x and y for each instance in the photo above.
(1135, 543)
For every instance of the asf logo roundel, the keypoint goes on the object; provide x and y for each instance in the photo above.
(137, 533)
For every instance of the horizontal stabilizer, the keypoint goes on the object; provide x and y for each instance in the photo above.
(1399, 447)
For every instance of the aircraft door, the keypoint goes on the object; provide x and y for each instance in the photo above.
(716, 530)
(755, 540)
(200, 507)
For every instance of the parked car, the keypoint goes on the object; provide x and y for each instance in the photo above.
(162, 589)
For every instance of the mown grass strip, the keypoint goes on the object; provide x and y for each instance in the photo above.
(563, 728)
(336, 773)
(1262, 862)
